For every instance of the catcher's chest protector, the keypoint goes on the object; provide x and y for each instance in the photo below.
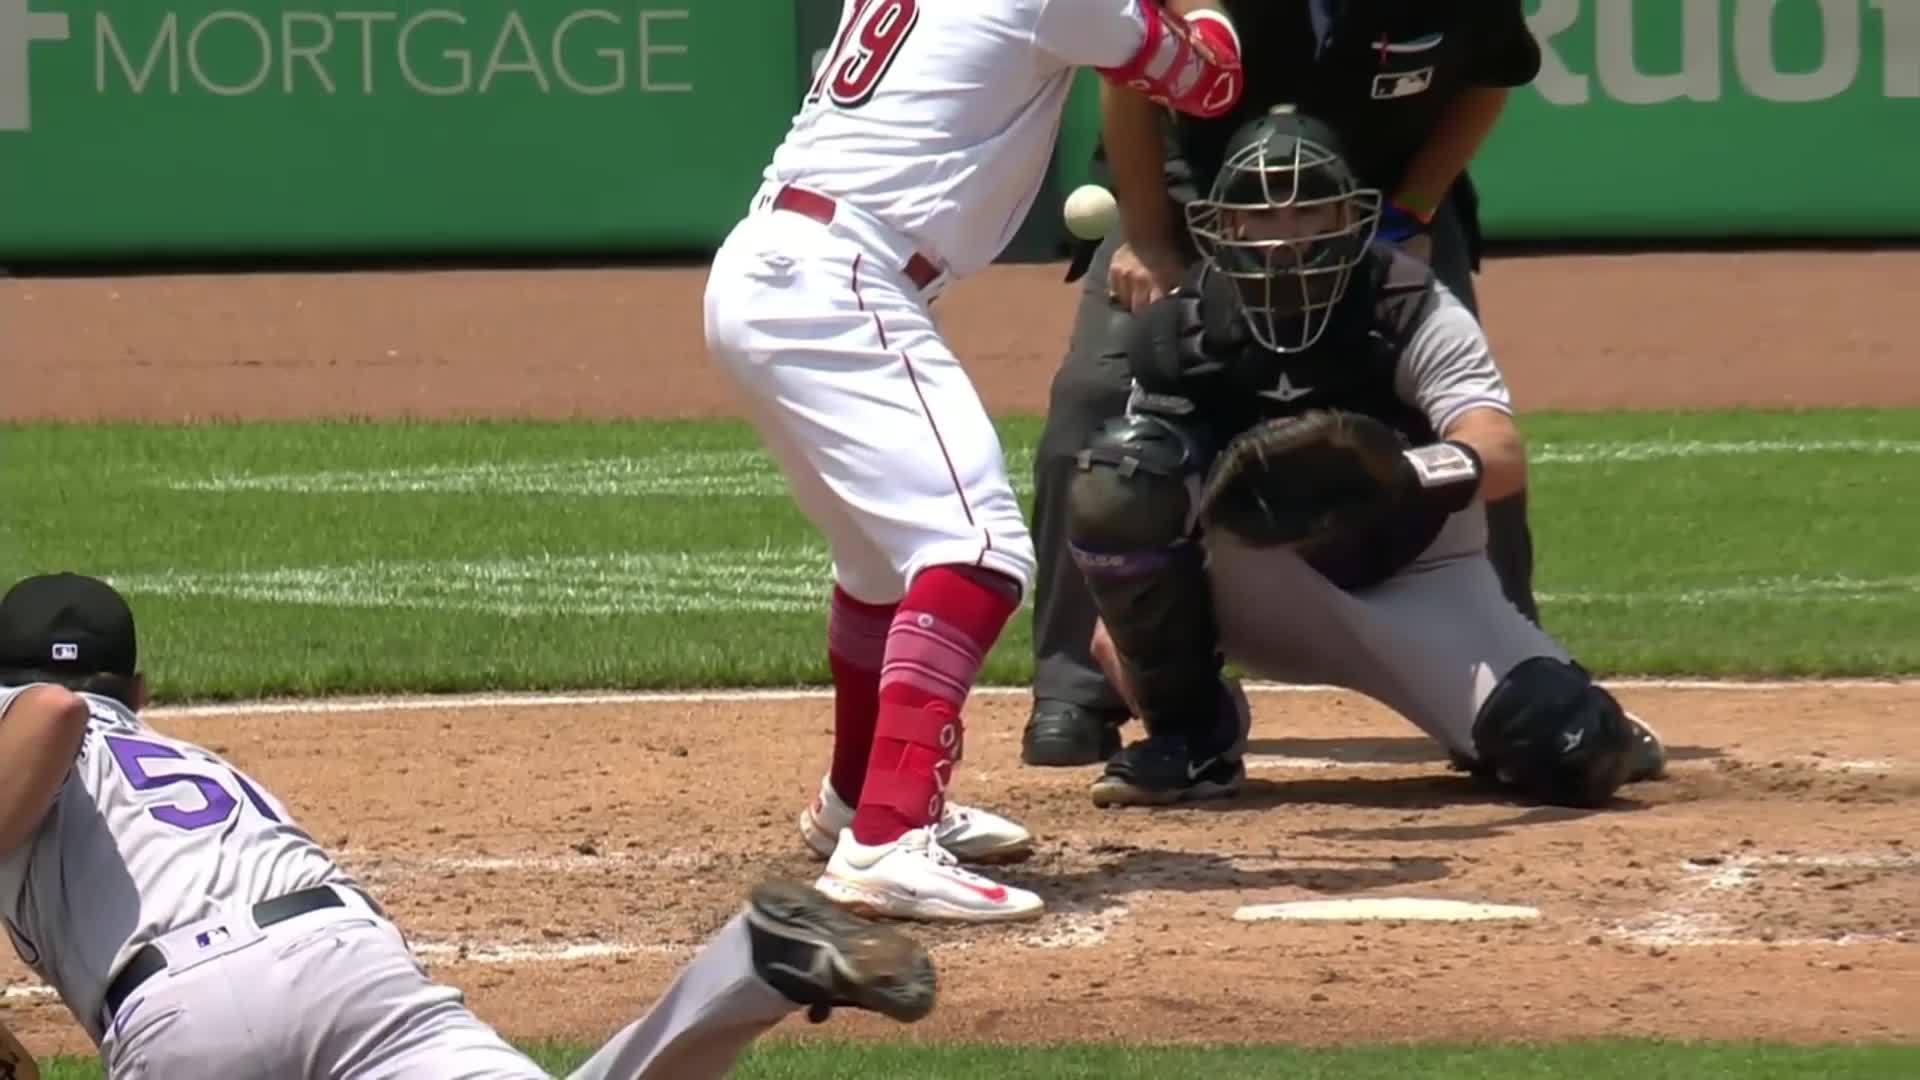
(1352, 369)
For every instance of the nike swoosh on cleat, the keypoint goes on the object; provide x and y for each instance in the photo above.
(995, 893)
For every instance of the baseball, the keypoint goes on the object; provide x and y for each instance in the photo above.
(1090, 211)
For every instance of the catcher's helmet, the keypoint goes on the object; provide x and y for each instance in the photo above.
(1286, 221)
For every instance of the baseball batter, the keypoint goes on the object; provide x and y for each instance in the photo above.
(915, 157)
(193, 928)
(1298, 484)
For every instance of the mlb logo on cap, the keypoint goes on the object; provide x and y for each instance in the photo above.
(65, 624)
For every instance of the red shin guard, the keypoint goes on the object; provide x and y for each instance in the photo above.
(949, 620)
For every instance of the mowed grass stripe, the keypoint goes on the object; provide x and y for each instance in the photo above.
(303, 559)
(753, 474)
(619, 583)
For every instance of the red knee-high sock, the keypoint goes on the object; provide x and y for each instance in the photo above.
(949, 620)
(856, 648)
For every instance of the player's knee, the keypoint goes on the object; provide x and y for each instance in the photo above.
(1090, 387)
(1549, 730)
(1131, 490)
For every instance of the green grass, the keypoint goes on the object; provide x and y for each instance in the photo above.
(1611, 1060)
(355, 557)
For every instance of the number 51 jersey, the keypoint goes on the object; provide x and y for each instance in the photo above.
(939, 119)
(146, 835)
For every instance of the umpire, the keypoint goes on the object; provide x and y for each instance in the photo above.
(1413, 87)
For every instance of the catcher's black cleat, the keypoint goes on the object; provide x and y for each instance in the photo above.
(820, 956)
(1060, 733)
(1647, 760)
(1163, 769)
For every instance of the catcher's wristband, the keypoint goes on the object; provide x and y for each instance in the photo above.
(1446, 474)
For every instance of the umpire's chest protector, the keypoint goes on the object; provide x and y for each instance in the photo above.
(1353, 368)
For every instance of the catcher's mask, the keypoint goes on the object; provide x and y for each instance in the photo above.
(1287, 222)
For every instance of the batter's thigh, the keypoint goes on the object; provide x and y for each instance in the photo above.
(882, 437)
(1430, 643)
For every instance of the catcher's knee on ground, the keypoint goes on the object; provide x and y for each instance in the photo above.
(1551, 732)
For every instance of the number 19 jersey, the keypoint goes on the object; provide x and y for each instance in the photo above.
(939, 119)
(147, 834)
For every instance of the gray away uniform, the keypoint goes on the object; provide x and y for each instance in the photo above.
(1432, 639)
(155, 841)
(1416, 618)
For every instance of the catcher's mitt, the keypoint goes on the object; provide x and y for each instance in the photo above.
(1324, 476)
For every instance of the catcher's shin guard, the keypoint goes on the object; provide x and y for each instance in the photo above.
(1551, 731)
(1130, 526)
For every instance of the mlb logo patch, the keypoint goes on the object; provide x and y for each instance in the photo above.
(66, 650)
(208, 938)
(1399, 84)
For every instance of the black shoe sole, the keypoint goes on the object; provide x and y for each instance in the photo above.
(854, 961)
(1066, 748)
(1119, 791)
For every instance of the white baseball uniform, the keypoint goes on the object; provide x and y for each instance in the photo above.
(155, 841)
(914, 159)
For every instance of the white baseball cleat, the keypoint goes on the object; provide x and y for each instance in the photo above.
(915, 878)
(970, 833)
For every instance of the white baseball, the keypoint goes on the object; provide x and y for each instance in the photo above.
(1090, 211)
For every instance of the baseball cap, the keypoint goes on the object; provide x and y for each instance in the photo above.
(66, 624)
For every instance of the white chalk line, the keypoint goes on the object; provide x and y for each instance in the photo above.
(751, 473)
(1675, 925)
(533, 700)
(1690, 919)
(1585, 453)
(1291, 763)
(1288, 763)
(772, 580)
(1064, 927)
(768, 580)
(1775, 591)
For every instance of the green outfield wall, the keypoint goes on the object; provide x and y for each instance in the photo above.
(182, 128)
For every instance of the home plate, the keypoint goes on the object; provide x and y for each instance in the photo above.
(1392, 908)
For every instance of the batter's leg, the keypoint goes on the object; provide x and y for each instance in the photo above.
(876, 424)
(868, 412)
(789, 950)
(1076, 713)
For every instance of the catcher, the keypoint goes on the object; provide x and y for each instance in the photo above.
(1298, 483)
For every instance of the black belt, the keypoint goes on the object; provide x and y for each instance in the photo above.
(149, 961)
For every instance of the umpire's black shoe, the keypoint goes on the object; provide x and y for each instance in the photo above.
(820, 956)
(1163, 769)
(1060, 733)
